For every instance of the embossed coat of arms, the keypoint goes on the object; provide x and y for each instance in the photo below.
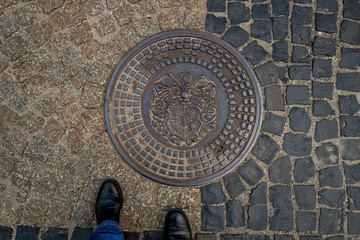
(184, 109)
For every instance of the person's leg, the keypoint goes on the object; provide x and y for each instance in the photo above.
(107, 208)
(107, 230)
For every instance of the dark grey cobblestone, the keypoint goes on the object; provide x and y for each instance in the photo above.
(212, 193)
(349, 126)
(215, 24)
(280, 170)
(326, 129)
(299, 119)
(236, 36)
(205, 236)
(261, 29)
(265, 149)
(274, 98)
(297, 94)
(233, 185)
(212, 218)
(331, 221)
(273, 123)
(322, 68)
(326, 22)
(348, 104)
(350, 149)
(301, 15)
(257, 217)
(280, 197)
(327, 5)
(322, 90)
(328, 153)
(322, 108)
(352, 173)
(305, 197)
(332, 198)
(297, 144)
(331, 177)
(250, 172)
(304, 169)
(279, 28)
(283, 220)
(305, 221)
(235, 214)
(255, 53)
(300, 54)
(258, 195)
(5, 233)
(238, 12)
(348, 81)
(350, 58)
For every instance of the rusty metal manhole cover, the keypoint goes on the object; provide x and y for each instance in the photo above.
(183, 107)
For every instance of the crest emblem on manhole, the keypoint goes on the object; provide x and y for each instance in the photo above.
(183, 107)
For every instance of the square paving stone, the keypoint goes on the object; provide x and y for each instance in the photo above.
(274, 98)
(335, 238)
(331, 221)
(305, 221)
(350, 58)
(279, 27)
(352, 9)
(233, 184)
(300, 54)
(326, 129)
(322, 68)
(326, 22)
(354, 198)
(282, 72)
(81, 233)
(280, 51)
(305, 196)
(261, 29)
(273, 123)
(299, 119)
(236, 36)
(212, 193)
(322, 90)
(280, 7)
(257, 237)
(301, 35)
(215, 24)
(327, 153)
(257, 217)
(310, 238)
(301, 15)
(259, 194)
(297, 94)
(283, 220)
(55, 233)
(349, 126)
(297, 144)
(327, 5)
(26, 232)
(304, 169)
(280, 170)
(238, 12)
(350, 149)
(303, 1)
(332, 198)
(254, 53)
(235, 214)
(260, 11)
(353, 220)
(212, 218)
(267, 73)
(5, 233)
(131, 235)
(352, 173)
(154, 235)
(331, 177)
(348, 81)
(205, 236)
(250, 172)
(283, 237)
(265, 148)
(232, 237)
(216, 5)
(350, 32)
(324, 46)
(348, 104)
(280, 197)
(322, 108)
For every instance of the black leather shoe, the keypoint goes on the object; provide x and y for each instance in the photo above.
(109, 201)
(177, 226)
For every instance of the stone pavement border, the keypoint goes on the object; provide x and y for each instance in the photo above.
(301, 180)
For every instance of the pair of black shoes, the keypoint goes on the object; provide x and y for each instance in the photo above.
(110, 200)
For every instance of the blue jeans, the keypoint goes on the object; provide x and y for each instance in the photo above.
(107, 230)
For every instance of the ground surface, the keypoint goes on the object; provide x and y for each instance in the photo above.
(302, 179)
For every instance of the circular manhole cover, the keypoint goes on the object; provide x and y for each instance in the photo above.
(183, 107)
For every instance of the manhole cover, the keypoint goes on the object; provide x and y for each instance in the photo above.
(183, 107)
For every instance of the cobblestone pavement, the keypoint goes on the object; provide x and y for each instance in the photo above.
(301, 180)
